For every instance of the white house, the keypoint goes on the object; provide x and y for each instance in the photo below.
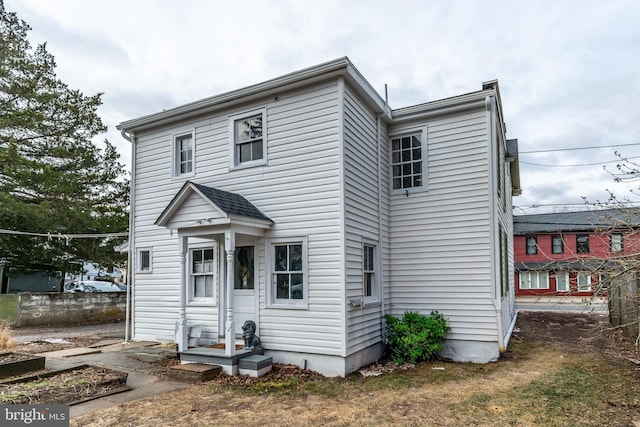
(308, 205)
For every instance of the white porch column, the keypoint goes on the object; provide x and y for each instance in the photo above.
(182, 331)
(230, 330)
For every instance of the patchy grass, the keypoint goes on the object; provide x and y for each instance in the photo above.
(543, 380)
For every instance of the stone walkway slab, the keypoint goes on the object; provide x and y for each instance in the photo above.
(78, 351)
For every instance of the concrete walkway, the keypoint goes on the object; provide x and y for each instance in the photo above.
(563, 304)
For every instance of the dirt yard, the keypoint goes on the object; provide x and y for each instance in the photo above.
(560, 370)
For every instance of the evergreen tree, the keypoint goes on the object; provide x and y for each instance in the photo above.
(53, 179)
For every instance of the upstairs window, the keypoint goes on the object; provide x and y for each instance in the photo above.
(249, 139)
(183, 152)
(532, 245)
(616, 242)
(582, 243)
(406, 162)
(557, 245)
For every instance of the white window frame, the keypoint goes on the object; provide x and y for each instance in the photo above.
(580, 288)
(422, 133)
(272, 300)
(191, 298)
(565, 276)
(139, 268)
(233, 154)
(531, 249)
(616, 246)
(375, 272)
(527, 277)
(176, 138)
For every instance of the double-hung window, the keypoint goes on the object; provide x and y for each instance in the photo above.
(562, 281)
(557, 245)
(582, 243)
(202, 269)
(370, 282)
(584, 282)
(407, 166)
(183, 155)
(288, 269)
(616, 242)
(532, 245)
(248, 139)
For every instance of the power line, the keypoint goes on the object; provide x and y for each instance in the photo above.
(579, 148)
(572, 166)
(60, 236)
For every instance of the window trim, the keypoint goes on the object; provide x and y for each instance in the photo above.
(374, 298)
(535, 245)
(422, 131)
(586, 243)
(271, 292)
(566, 276)
(139, 260)
(537, 275)
(176, 154)
(202, 301)
(620, 242)
(583, 274)
(233, 158)
(553, 246)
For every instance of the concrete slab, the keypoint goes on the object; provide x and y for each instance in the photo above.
(69, 352)
(194, 372)
(124, 346)
(105, 343)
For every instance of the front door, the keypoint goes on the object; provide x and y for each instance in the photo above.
(244, 287)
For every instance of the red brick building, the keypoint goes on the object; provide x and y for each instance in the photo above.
(572, 253)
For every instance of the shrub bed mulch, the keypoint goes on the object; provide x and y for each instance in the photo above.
(69, 386)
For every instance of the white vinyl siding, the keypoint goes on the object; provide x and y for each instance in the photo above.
(361, 195)
(441, 251)
(299, 190)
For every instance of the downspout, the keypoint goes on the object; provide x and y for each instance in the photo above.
(380, 233)
(128, 326)
(490, 105)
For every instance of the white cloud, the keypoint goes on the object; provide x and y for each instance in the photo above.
(567, 70)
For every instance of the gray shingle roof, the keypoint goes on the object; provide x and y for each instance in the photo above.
(231, 203)
(576, 221)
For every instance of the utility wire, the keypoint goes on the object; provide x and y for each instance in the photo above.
(573, 166)
(579, 148)
(63, 236)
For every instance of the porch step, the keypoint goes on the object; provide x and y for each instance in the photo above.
(255, 365)
(194, 372)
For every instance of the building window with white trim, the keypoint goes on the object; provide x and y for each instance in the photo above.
(288, 272)
(557, 245)
(532, 245)
(616, 242)
(562, 281)
(201, 274)
(370, 282)
(584, 282)
(144, 260)
(407, 153)
(249, 139)
(534, 280)
(184, 155)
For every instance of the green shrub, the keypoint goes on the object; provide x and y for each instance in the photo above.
(415, 337)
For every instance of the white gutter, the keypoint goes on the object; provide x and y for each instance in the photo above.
(380, 239)
(490, 106)
(128, 324)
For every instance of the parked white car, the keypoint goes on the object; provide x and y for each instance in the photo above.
(91, 286)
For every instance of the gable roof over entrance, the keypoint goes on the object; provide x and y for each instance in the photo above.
(197, 205)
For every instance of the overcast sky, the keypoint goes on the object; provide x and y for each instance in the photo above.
(569, 71)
